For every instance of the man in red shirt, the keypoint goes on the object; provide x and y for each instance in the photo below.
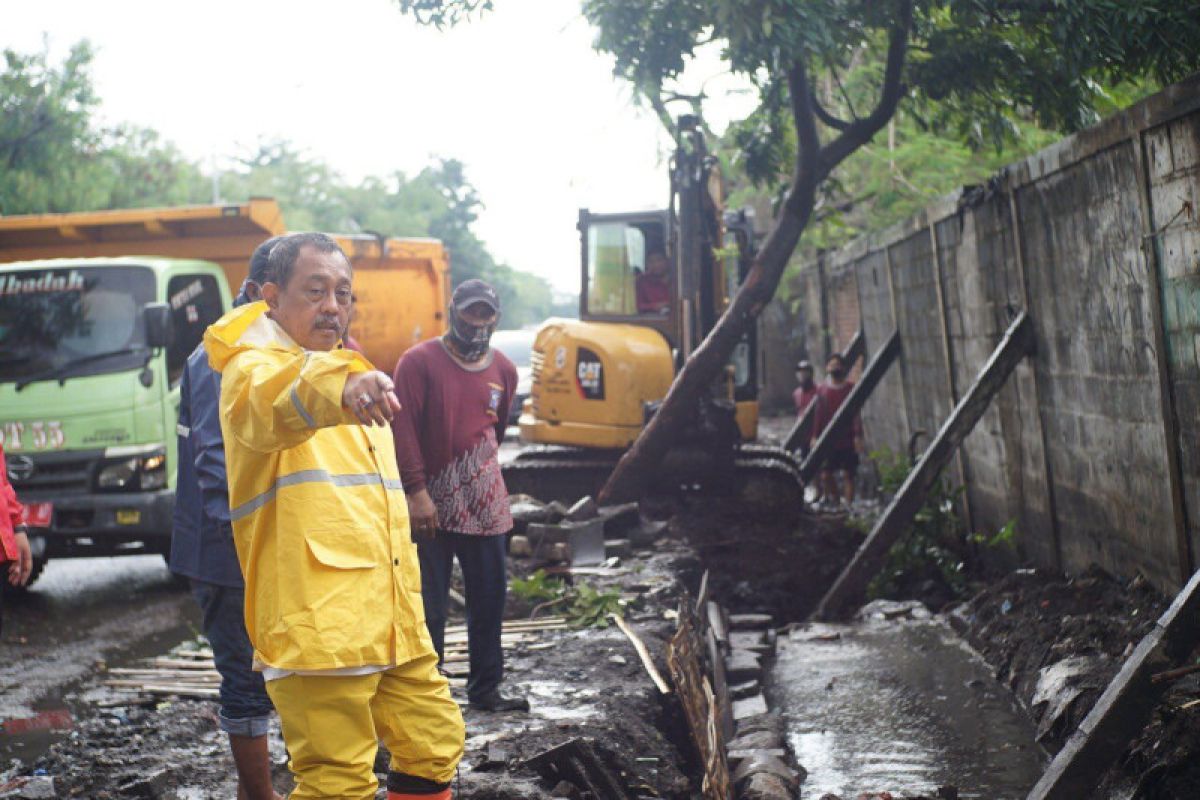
(455, 394)
(849, 442)
(803, 395)
(654, 285)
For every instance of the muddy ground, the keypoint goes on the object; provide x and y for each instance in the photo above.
(589, 684)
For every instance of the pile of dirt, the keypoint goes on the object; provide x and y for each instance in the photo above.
(778, 567)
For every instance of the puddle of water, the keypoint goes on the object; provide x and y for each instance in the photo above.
(54, 713)
(901, 707)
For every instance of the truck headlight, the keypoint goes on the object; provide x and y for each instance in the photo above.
(139, 473)
(153, 472)
(118, 475)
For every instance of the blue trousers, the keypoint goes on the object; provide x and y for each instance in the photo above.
(245, 707)
(485, 579)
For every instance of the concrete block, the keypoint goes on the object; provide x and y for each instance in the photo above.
(769, 764)
(756, 740)
(519, 547)
(735, 757)
(750, 622)
(765, 786)
(755, 641)
(768, 721)
(750, 707)
(742, 666)
(745, 689)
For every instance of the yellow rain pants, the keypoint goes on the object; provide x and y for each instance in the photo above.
(332, 723)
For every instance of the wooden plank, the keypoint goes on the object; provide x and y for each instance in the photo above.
(801, 432)
(1126, 705)
(1047, 472)
(1152, 250)
(948, 358)
(853, 404)
(851, 584)
(643, 654)
(685, 657)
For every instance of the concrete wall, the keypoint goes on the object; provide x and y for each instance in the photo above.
(1093, 446)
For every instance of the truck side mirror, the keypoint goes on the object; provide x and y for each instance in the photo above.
(157, 317)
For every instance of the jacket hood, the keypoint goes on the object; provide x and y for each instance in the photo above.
(250, 326)
(246, 326)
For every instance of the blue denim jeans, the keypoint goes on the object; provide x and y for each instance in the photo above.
(245, 707)
(483, 562)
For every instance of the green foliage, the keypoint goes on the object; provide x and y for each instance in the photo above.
(587, 607)
(933, 546)
(591, 607)
(53, 159)
(537, 588)
(1005, 538)
(442, 14)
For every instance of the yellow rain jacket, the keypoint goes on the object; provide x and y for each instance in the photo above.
(319, 516)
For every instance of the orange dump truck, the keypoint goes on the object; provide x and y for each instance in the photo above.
(402, 285)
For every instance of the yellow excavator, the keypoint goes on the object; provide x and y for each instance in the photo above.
(653, 284)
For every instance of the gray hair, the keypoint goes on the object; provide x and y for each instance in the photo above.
(282, 261)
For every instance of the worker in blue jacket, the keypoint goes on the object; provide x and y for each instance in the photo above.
(202, 550)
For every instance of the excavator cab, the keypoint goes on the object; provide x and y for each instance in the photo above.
(653, 284)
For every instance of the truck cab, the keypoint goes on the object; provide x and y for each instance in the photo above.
(92, 351)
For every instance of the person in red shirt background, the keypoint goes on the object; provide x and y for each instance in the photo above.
(654, 285)
(454, 395)
(804, 394)
(849, 443)
(14, 541)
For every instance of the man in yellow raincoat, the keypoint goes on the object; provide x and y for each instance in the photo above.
(333, 588)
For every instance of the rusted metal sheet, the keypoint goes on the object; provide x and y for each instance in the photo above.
(685, 660)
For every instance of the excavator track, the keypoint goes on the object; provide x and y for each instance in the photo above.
(766, 480)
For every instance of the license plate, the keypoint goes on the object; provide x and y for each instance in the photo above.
(128, 516)
(38, 515)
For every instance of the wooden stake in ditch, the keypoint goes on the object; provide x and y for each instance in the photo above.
(1125, 707)
(643, 653)
(849, 409)
(801, 432)
(850, 586)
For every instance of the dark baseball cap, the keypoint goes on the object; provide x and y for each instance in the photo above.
(475, 291)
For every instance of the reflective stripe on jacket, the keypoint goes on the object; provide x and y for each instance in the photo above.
(319, 516)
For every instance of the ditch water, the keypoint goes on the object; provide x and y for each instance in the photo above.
(902, 706)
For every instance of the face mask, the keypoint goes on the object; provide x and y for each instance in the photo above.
(470, 341)
(805, 380)
(837, 374)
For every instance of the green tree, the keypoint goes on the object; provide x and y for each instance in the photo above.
(970, 66)
(54, 159)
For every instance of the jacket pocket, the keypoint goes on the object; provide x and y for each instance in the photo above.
(344, 548)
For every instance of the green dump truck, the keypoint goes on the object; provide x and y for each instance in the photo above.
(91, 352)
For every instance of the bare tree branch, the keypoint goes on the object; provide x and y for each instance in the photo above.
(829, 119)
(861, 131)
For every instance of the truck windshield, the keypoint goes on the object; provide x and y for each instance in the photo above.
(53, 318)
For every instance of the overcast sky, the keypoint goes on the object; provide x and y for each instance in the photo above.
(519, 96)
